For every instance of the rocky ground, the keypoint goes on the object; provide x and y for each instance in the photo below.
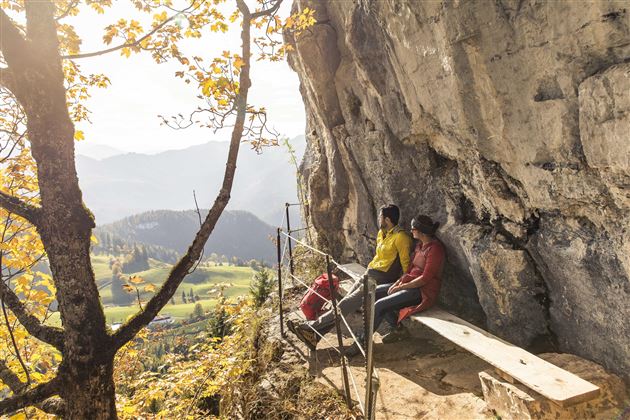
(429, 377)
(424, 377)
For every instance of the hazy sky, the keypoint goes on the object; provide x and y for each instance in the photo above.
(124, 115)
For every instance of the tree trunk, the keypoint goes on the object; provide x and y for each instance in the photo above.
(65, 229)
(64, 223)
(89, 391)
(35, 76)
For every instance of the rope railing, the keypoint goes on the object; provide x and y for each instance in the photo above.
(341, 316)
(304, 244)
(299, 230)
(354, 338)
(367, 407)
(308, 287)
(352, 377)
(356, 391)
(331, 345)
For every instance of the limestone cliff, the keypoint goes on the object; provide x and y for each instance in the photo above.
(508, 121)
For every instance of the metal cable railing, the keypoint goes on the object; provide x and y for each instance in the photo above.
(366, 404)
(331, 345)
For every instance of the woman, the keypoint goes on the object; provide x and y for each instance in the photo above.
(418, 288)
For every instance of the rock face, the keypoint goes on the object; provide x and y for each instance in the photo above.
(508, 121)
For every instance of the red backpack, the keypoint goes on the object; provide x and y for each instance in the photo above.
(312, 303)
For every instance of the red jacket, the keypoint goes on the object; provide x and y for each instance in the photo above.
(428, 262)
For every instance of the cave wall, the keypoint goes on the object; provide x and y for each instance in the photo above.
(508, 121)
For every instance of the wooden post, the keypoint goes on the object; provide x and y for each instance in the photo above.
(371, 383)
(333, 299)
(280, 283)
(286, 208)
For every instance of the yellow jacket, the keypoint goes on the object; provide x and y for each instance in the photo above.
(395, 242)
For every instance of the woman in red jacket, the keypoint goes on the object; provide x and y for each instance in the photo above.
(418, 288)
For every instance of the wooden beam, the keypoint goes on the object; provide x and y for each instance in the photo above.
(554, 383)
(354, 270)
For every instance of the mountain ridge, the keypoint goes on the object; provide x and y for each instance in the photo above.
(238, 233)
(122, 185)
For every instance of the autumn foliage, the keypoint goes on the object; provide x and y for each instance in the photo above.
(46, 230)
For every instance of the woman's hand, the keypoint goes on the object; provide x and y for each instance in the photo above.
(392, 288)
(395, 288)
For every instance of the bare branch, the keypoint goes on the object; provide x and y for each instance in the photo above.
(7, 78)
(45, 333)
(12, 43)
(20, 208)
(13, 342)
(54, 406)
(65, 13)
(10, 379)
(30, 397)
(183, 266)
(121, 46)
(265, 12)
(128, 44)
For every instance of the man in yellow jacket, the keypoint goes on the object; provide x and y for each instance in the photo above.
(393, 246)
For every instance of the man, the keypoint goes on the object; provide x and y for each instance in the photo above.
(393, 246)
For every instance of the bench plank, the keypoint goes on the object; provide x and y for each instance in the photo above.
(558, 385)
(354, 270)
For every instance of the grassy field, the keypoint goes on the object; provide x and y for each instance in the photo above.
(204, 283)
(180, 310)
(206, 280)
(100, 264)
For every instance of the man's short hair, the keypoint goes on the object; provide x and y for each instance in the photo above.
(392, 212)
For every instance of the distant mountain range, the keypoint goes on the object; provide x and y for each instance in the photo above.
(96, 151)
(237, 233)
(123, 185)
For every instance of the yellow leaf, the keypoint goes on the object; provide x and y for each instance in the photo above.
(78, 135)
(93, 239)
(129, 409)
(207, 87)
(160, 17)
(136, 279)
(128, 288)
(150, 287)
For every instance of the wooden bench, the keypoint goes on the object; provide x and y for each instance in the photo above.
(511, 362)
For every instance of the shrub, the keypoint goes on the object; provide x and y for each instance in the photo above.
(261, 287)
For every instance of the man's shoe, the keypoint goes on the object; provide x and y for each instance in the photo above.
(399, 334)
(308, 337)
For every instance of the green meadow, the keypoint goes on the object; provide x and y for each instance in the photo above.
(204, 282)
